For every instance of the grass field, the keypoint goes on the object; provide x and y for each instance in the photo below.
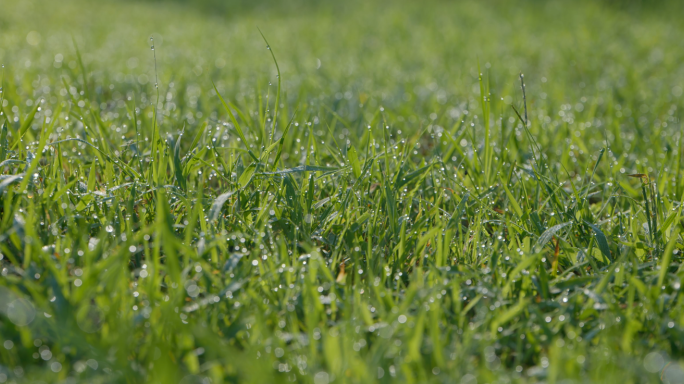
(376, 197)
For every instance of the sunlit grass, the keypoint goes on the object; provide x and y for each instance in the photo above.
(383, 204)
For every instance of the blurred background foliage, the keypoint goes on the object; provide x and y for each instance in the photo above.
(383, 49)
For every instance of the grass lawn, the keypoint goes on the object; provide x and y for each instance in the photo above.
(379, 196)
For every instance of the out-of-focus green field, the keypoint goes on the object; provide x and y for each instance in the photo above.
(384, 204)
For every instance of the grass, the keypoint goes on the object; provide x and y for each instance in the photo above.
(389, 201)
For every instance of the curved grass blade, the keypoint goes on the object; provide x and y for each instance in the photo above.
(601, 240)
(548, 234)
(25, 125)
(4, 146)
(217, 205)
(178, 165)
(235, 122)
(277, 100)
(511, 200)
(301, 168)
(667, 257)
(126, 168)
(10, 180)
(411, 176)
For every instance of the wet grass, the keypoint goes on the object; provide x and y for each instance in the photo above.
(389, 201)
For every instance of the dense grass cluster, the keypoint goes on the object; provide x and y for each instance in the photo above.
(389, 201)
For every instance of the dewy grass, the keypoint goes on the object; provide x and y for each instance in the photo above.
(390, 212)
